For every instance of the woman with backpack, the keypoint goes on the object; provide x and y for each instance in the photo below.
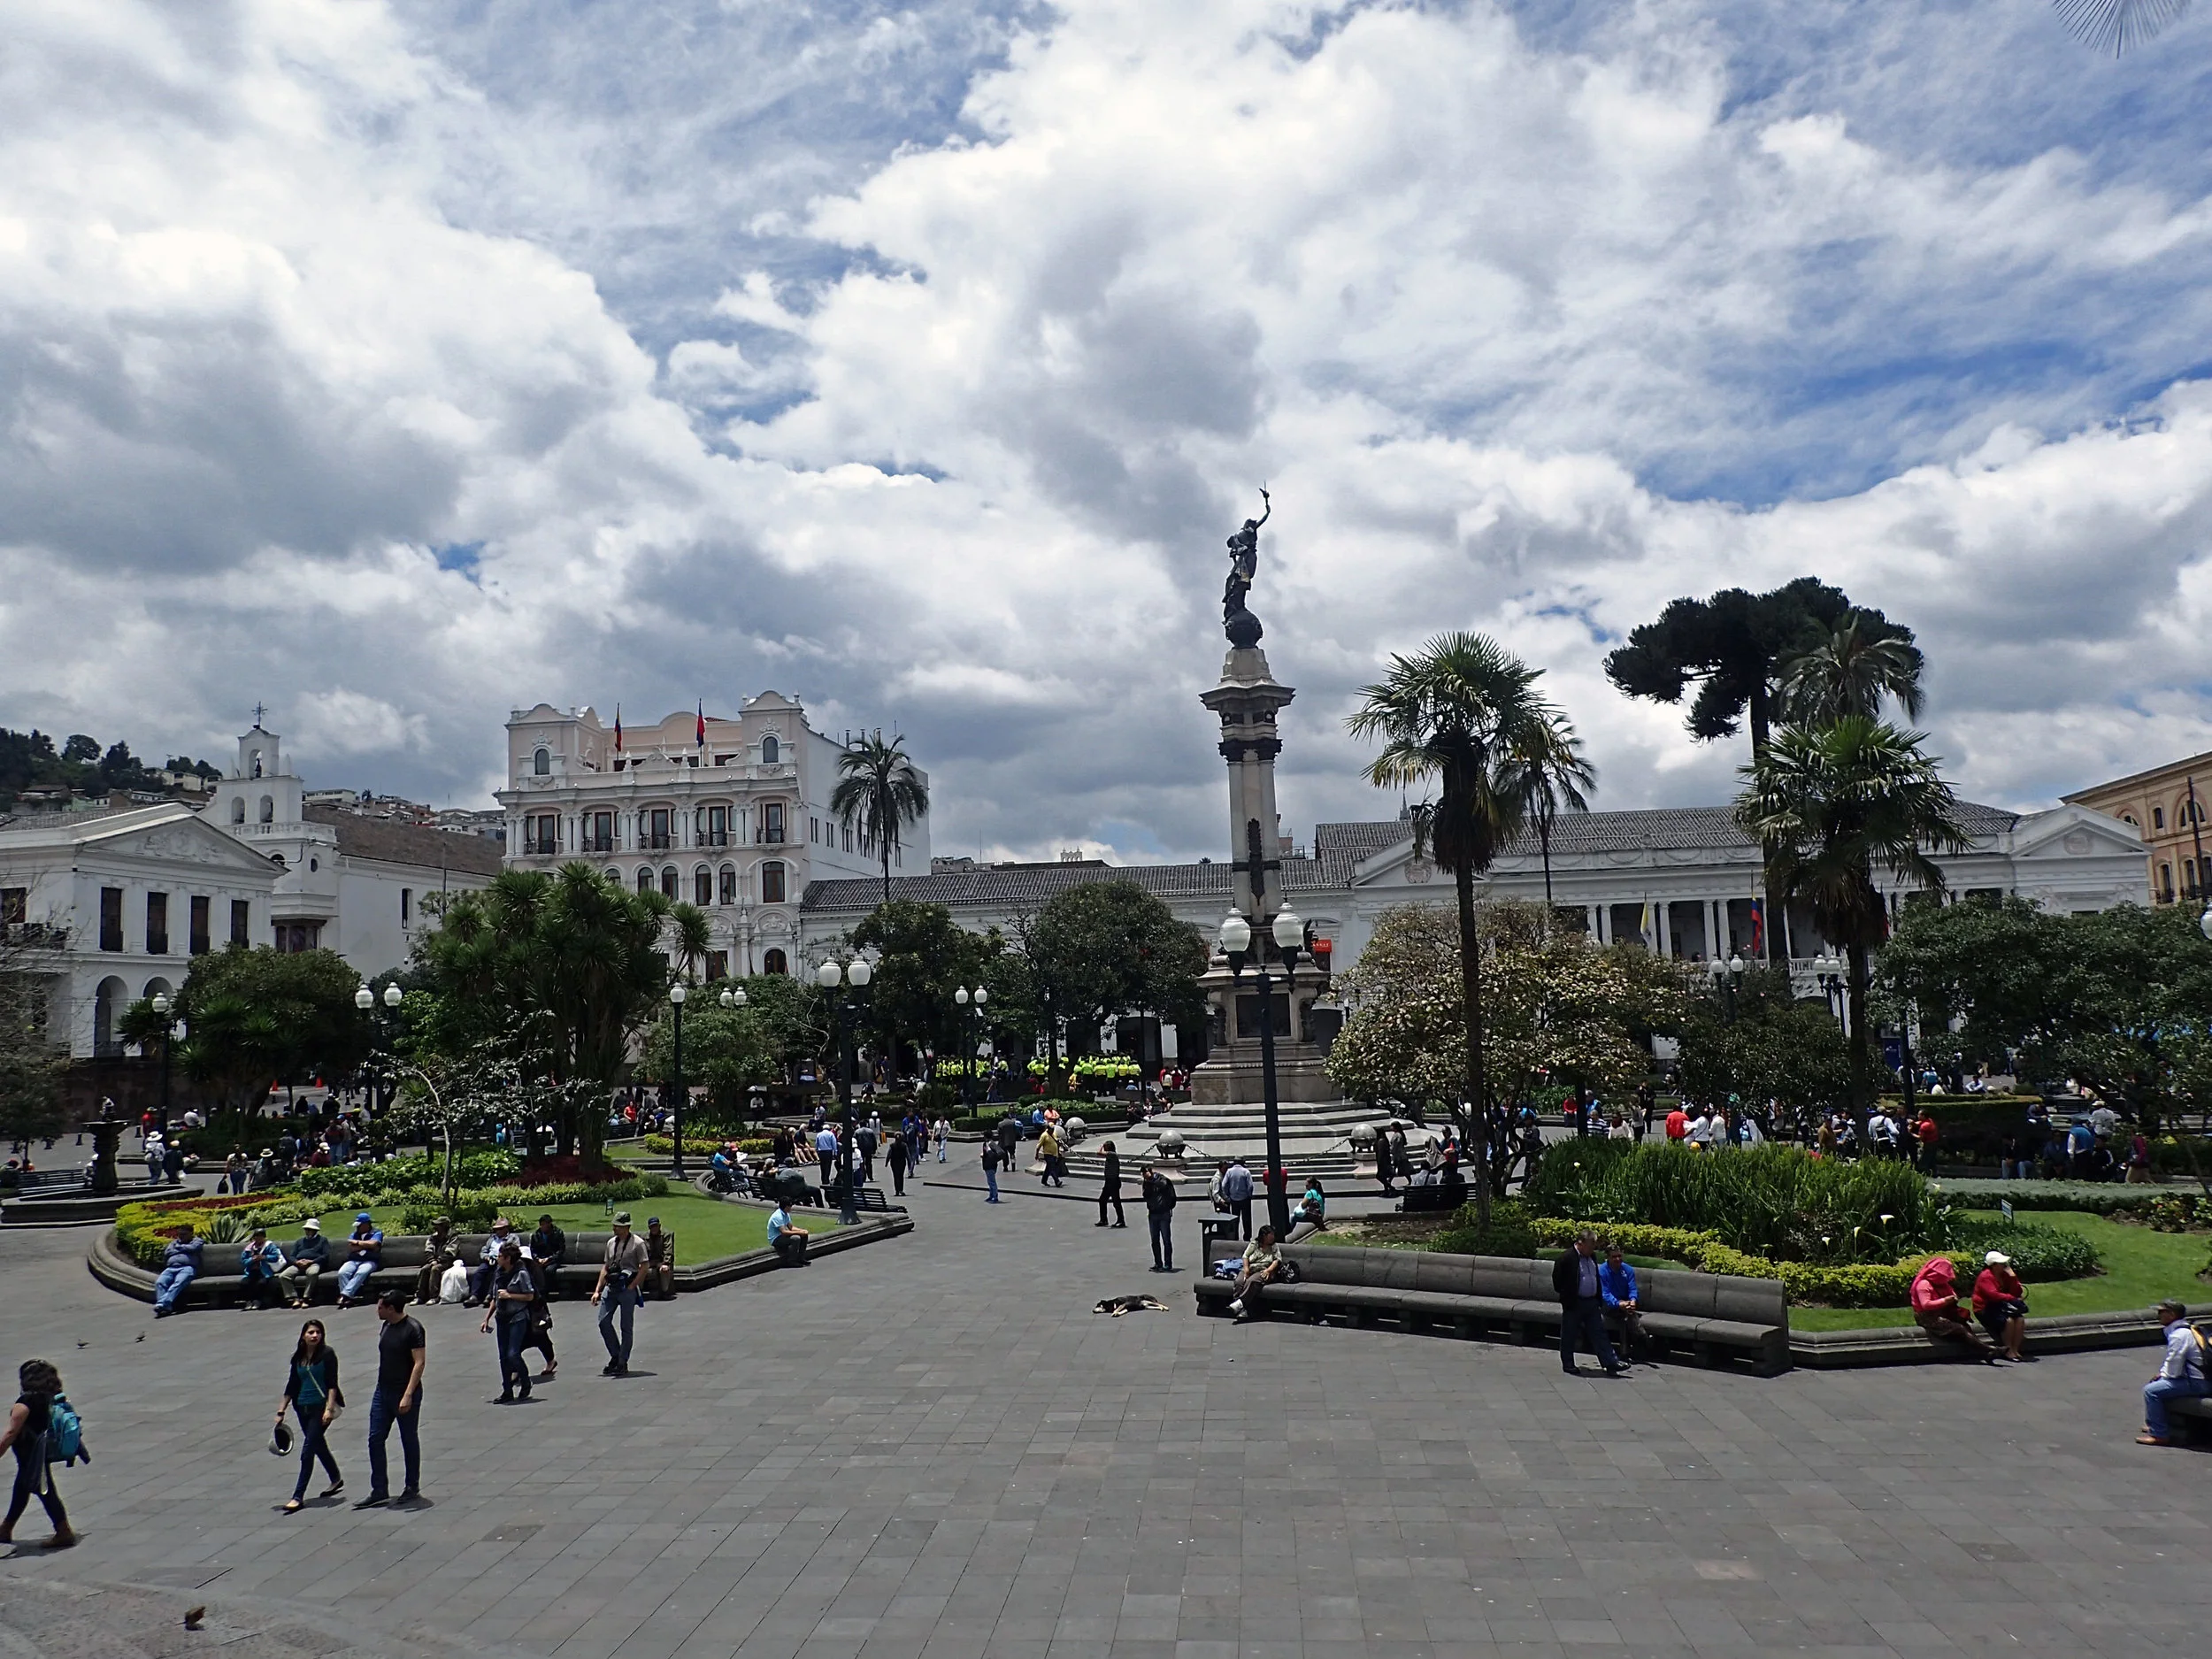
(311, 1391)
(30, 1432)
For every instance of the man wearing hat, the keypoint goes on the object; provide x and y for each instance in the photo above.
(2000, 1303)
(305, 1262)
(260, 1259)
(621, 1276)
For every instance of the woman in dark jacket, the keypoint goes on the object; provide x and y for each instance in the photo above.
(27, 1422)
(311, 1391)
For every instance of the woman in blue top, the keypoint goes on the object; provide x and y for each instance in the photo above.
(311, 1391)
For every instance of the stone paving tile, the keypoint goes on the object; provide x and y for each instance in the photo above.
(932, 1448)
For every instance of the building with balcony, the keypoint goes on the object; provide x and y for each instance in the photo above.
(2167, 807)
(362, 886)
(728, 813)
(106, 909)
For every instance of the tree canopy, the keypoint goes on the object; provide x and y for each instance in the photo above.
(1105, 948)
(258, 1016)
(2119, 1001)
(1777, 1047)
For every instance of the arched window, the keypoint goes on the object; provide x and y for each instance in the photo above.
(772, 891)
(541, 764)
(238, 810)
(268, 810)
(729, 884)
(2158, 817)
(668, 882)
(702, 886)
(256, 764)
(774, 962)
(645, 882)
(768, 749)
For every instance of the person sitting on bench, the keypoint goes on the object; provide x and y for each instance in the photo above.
(1936, 1310)
(1262, 1261)
(785, 1240)
(1311, 1214)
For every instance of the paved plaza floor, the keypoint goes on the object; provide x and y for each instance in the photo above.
(932, 1447)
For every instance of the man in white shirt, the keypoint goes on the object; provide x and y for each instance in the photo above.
(1702, 1134)
(2181, 1375)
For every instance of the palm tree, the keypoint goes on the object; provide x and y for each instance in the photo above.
(1456, 713)
(1851, 672)
(1736, 645)
(1832, 803)
(880, 795)
(2118, 24)
(693, 934)
(1553, 777)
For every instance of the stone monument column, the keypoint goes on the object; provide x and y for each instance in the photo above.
(1247, 701)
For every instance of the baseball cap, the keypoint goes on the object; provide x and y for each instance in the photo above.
(1996, 1258)
(363, 1216)
(652, 1221)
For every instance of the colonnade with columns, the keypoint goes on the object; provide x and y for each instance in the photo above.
(1684, 928)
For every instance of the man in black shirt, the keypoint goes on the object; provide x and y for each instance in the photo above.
(1110, 1189)
(547, 1245)
(397, 1401)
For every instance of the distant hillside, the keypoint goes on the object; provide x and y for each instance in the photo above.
(28, 760)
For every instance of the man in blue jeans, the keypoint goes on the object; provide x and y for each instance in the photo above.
(1159, 1212)
(616, 1294)
(990, 1168)
(397, 1401)
(1574, 1278)
(2180, 1375)
(180, 1264)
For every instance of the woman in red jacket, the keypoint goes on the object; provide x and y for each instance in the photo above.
(2000, 1303)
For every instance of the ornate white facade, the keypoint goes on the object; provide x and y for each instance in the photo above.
(111, 907)
(1682, 881)
(362, 886)
(737, 824)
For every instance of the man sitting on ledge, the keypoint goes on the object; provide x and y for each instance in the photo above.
(785, 1240)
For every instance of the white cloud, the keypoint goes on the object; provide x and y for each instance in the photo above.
(341, 371)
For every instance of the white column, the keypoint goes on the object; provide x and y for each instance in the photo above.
(1594, 917)
(1661, 944)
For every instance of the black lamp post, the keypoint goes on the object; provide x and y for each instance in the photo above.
(829, 976)
(1236, 941)
(1726, 975)
(733, 997)
(1827, 969)
(162, 1005)
(379, 1025)
(676, 995)
(973, 1003)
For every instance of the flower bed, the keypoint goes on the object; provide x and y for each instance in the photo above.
(143, 1230)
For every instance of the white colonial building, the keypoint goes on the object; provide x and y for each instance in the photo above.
(110, 907)
(1682, 881)
(732, 815)
(360, 886)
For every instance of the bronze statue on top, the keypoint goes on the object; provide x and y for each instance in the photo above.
(1242, 626)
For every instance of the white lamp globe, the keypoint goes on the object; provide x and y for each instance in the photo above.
(859, 973)
(365, 999)
(1290, 931)
(829, 976)
(1235, 936)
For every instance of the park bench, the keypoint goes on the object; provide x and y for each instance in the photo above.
(1433, 1199)
(1712, 1319)
(2193, 1418)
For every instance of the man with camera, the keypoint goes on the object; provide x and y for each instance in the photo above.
(621, 1275)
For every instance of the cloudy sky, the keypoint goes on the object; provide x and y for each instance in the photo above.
(396, 364)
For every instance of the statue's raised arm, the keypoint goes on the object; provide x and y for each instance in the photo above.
(1237, 620)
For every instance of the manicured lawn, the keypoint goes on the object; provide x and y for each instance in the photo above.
(705, 1227)
(2141, 1269)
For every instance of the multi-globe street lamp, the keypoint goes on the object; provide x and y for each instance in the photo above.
(829, 976)
(365, 999)
(972, 1001)
(1725, 978)
(1236, 941)
(676, 995)
(1828, 970)
(171, 1035)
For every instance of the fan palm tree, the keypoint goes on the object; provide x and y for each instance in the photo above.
(1851, 672)
(1831, 804)
(880, 795)
(1553, 777)
(2118, 24)
(1456, 714)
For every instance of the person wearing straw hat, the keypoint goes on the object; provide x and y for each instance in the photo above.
(2000, 1303)
(616, 1294)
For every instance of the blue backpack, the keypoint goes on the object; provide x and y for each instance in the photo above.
(65, 1432)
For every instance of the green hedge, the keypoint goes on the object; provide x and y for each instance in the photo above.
(483, 1167)
(1511, 1231)
(2099, 1198)
(2039, 1253)
(1769, 1200)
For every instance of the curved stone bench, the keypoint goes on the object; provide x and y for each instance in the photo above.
(1909, 1344)
(1715, 1319)
(220, 1286)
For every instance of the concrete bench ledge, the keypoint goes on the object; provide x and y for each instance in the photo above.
(220, 1286)
(1909, 1344)
(1710, 1317)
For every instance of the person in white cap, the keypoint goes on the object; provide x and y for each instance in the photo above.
(2000, 1303)
(304, 1262)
